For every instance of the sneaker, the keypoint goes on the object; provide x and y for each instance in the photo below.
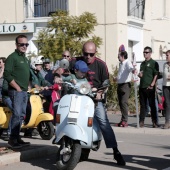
(166, 125)
(14, 144)
(122, 124)
(118, 157)
(21, 142)
(141, 124)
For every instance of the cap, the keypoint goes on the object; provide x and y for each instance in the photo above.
(46, 60)
(82, 66)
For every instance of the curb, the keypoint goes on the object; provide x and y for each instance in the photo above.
(26, 155)
(145, 130)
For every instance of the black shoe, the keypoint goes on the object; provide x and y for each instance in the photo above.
(14, 144)
(141, 124)
(118, 157)
(28, 135)
(21, 142)
(6, 138)
(155, 125)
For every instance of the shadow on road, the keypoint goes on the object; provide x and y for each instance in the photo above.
(144, 161)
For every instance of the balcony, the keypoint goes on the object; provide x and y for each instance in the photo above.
(136, 8)
(43, 8)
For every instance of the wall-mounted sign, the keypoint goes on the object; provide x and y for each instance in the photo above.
(17, 28)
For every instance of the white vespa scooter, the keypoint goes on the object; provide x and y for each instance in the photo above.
(76, 129)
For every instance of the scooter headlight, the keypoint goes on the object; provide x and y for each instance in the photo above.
(84, 88)
(36, 91)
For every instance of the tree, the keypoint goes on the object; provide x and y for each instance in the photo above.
(65, 32)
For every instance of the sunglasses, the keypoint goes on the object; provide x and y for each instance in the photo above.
(67, 56)
(86, 54)
(23, 44)
(146, 52)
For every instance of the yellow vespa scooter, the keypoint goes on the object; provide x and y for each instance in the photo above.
(35, 119)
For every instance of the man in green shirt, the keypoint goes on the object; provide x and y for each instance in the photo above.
(17, 74)
(149, 70)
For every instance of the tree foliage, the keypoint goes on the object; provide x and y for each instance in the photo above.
(65, 32)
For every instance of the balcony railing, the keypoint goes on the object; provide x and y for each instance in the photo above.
(44, 8)
(136, 8)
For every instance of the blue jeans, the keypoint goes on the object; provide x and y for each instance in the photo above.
(106, 129)
(7, 101)
(19, 103)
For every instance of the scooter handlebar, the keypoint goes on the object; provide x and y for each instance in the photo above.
(34, 91)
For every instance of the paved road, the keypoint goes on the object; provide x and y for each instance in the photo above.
(141, 151)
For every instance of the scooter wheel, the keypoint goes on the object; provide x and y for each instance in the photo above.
(46, 130)
(68, 161)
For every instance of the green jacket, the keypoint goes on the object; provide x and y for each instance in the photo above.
(17, 68)
(37, 79)
(150, 69)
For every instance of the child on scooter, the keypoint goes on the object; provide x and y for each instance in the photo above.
(55, 96)
(80, 70)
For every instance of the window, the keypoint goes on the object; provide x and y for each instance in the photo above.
(44, 8)
(136, 8)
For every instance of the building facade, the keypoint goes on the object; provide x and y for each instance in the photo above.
(133, 23)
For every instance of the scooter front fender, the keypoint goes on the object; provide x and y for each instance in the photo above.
(43, 117)
(72, 131)
(3, 118)
(5, 115)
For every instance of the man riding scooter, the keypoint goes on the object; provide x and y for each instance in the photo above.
(37, 81)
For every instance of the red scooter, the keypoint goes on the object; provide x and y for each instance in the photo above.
(161, 102)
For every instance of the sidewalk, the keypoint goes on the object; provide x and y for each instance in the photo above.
(132, 125)
(39, 147)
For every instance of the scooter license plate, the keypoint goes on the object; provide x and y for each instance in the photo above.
(75, 104)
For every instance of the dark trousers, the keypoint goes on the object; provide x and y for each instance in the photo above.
(123, 92)
(149, 94)
(166, 93)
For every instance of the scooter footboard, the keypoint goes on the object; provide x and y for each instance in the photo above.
(73, 132)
